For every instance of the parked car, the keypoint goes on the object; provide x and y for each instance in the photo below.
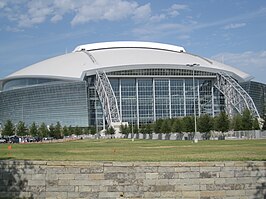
(3, 140)
(14, 139)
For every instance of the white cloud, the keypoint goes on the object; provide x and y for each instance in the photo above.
(234, 26)
(251, 62)
(175, 9)
(2, 4)
(142, 13)
(34, 12)
(56, 18)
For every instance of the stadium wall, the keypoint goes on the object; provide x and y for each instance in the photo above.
(66, 179)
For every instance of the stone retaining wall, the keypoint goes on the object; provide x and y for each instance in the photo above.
(55, 179)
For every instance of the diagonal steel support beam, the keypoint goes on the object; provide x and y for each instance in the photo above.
(236, 98)
(107, 99)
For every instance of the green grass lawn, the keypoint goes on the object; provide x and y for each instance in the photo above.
(139, 150)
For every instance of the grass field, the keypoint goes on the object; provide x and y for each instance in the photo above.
(139, 150)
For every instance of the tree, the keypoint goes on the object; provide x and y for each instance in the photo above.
(43, 131)
(51, 132)
(93, 130)
(188, 123)
(123, 129)
(222, 122)
(247, 120)
(77, 130)
(9, 128)
(58, 131)
(65, 131)
(166, 126)
(237, 123)
(135, 129)
(255, 124)
(177, 126)
(205, 125)
(157, 126)
(111, 131)
(264, 123)
(33, 130)
(21, 129)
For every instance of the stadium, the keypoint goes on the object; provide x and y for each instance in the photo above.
(105, 84)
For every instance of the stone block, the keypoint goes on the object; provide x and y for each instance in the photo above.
(51, 182)
(168, 175)
(67, 188)
(162, 182)
(190, 187)
(66, 176)
(206, 181)
(149, 182)
(174, 181)
(96, 176)
(36, 182)
(166, 169)
(152, 195)
(138, 194)
(152, 176)
(72, 170)
(207, 174)
(63, 182)
(182, 169)
(170, 194)
(163, 188)
(51, 176)
(85, 188)
(210, 169)
(227, 174)
(119, 170)
(88, 195)
(37, 176)
(212, 194)
(56, 195)
(81, 177)
(191, 194)
(35, 189)
(109, 194)
(55, 170)
(190, 175)
(92, 169)
(235, 193)
(72, 195)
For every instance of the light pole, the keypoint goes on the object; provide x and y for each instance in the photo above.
(132, 115)
(194, 96)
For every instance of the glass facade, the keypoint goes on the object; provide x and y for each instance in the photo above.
(64, 102)
(257, 92)
(145, 100)
(143, 96)
(24, 82)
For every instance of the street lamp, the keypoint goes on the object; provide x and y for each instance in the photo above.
(132, 115)
(194, 96)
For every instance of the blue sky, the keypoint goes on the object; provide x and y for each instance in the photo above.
(233, 32)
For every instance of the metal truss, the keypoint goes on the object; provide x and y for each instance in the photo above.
(107, 99)
(236, 98)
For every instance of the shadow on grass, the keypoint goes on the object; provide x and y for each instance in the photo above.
(13, 183)
(261, 188)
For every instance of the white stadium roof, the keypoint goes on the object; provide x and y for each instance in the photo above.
(113, 56)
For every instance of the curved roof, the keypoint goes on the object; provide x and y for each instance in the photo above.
(128, 44)
(112, 56)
